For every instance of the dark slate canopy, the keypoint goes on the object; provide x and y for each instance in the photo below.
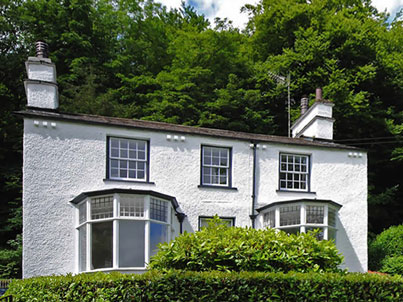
(85, 195)
(285, 202)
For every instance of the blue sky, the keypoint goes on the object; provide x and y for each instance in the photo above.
(231, 8)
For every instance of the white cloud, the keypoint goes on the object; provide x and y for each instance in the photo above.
(231, 9)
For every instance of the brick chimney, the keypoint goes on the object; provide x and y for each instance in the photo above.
(41, 87)
(317, 121)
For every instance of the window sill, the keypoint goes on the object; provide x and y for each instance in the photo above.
(129, 180)
(291, 191)
(217, 187)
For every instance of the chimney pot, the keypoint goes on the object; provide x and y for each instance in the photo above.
(41, 49)
(304, 104)
(319, 94)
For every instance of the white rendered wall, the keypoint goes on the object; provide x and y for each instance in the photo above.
(62, 160)
(320, 128)
(317, 109)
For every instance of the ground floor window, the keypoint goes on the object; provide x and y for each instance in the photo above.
(121, 231)
(301, 217)
(204, 221)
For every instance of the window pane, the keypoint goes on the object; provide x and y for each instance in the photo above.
(101, 245)
(318, 236)
(331, 217)
(290, 215)
(269, 219)
(131, 206)
(315, 214)
(158, 210)
(131, 243)
(102, 207)
(331, 234)
(82, 210)
(114, 143)
(158, 234)
(82, 248)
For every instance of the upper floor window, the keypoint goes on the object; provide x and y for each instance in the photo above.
(294, 172)
(128, 159)
(216, 166)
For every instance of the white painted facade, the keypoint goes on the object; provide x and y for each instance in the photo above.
(64, 159)
(65, 167)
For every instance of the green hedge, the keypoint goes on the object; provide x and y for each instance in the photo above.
(210, 286)
(387, 244)
(223, 248)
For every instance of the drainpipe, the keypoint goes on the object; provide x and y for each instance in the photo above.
(253, 215)
(181, 218)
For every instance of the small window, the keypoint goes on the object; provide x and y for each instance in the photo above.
(294, 172)
(216, 166)
(204, 221)
(128, 159)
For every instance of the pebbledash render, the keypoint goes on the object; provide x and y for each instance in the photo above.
(99, 193)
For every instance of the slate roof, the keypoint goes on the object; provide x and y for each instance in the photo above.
(166, 127)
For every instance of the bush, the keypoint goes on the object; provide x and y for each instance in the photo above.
(218, 247)
(210, 286)
(393, 265)
(387, 244)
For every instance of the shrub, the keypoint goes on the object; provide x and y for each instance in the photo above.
(212, 286)
(387, 244)
(218, 247)
(393, 265)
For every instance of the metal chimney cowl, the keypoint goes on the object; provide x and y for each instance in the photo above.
(41, 87)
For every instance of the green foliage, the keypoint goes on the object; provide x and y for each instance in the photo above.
(223, 248)
(387, 245)
(11, 258)
(210, 286)
(393, 265)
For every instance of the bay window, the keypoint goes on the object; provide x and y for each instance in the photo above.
(121, 231)
(302, 217)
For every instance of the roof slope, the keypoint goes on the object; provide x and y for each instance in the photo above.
(159, 126)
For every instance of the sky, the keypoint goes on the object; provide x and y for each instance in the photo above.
(231, 8)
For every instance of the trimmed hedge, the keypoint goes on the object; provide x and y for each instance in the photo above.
(223, 248)
(210, 286)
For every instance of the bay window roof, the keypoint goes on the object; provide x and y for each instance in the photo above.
(85, 195)
(310, 200)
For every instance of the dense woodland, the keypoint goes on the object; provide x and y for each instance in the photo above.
(136, 59)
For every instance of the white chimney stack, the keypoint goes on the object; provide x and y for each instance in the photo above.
(41, 87)
(317, 121)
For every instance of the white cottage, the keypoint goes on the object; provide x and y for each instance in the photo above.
(99, 193)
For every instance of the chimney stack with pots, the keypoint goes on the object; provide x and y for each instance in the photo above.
(315, 122)
(304, 104)
(41, 87)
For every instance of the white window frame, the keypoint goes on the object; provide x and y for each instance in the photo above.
(294, 173)
(87, 224)
(128, 159)
(211, 166)
(303, 225)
